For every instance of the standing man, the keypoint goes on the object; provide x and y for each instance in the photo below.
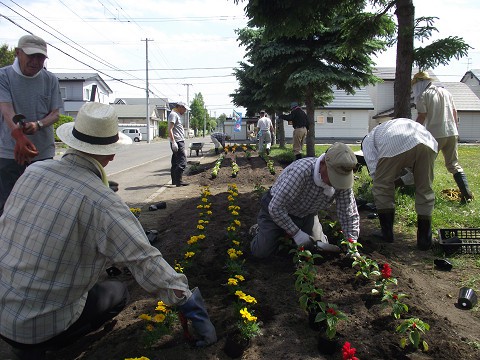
(388, 149)
(218, 139)
(299, 120)
(436, 111)
(62, 225)
(304, 188)
(265, 130)
(28, 89)
(176, 134)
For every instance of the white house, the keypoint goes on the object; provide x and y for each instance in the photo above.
(79, 88)
(472, 79)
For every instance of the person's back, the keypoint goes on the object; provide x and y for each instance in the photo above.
(72, 218)
(440, 109)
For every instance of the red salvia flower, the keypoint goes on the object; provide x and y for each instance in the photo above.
(395, 297)
(348, 352)
(386, 271)
(350, 240)
(331, 311)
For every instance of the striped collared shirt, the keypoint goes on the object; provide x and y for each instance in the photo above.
(392, 138)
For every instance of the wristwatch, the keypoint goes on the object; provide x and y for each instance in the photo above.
(40, 125)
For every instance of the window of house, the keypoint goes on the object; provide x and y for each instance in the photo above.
(320, 119)
(87, 94)
(63, 93)
(329, 119)
(344, 117)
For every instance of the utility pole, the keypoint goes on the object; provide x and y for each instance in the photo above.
(187, 116)
(147, 97)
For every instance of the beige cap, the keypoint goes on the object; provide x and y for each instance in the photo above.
(31, 44)
(341, 161)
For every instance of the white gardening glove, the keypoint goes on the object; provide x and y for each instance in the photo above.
(302, 239)
(174, 146)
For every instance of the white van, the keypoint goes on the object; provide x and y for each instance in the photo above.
(133, 133)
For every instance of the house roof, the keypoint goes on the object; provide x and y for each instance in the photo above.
(472, 73)
(342, 100)
(134, 111)
(388, 73)
(160, 102)
(83, 77)
(465, 99)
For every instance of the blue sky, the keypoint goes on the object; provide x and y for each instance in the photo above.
(192, 42)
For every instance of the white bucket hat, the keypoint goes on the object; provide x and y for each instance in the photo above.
(95, 130)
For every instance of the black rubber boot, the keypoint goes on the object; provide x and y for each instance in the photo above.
(424, 232)
(386, 218)
(180, 182)
(462, 183)
(298, 156)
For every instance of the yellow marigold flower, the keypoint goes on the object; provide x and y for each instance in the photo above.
(235, 242)
(161, 306)
(200, 214)
(234, 213)
(204, 199)
(145, 317)
(206, 221)
(239, 252)
(201, 221)
(140, 358)
(159, 318)
(178, 268)
(230, 198)
(149, 327)
(232, 228)
(249, 299)
(240, 277)
(232, 281)
(233, 256)
(209, 212)
(240, 293)
(244, 312)
(207, 206)
(235, 194)
(200, 227)
(200, 206)
(189, 254)
(201, 236)
(192, 240)
(237, 222)
(231, 207)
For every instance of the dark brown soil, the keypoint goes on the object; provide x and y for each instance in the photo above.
(432, 294)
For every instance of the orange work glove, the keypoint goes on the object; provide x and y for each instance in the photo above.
(24, 150)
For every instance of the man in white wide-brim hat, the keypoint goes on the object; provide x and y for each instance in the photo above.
(66, 225)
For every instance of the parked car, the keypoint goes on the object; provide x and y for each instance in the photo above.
(133, 133)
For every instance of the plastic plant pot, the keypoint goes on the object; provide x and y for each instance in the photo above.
(467, 298)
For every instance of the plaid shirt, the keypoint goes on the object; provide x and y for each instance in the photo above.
(61, 228)
(295, 193)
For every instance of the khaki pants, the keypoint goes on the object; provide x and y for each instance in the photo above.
(421, 160)
(299, 135)
(449, 148)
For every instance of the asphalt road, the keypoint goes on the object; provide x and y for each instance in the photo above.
(143, 170)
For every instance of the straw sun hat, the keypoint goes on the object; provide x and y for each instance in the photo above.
(95, 130)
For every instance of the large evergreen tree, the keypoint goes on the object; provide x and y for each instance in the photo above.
(301, 55)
